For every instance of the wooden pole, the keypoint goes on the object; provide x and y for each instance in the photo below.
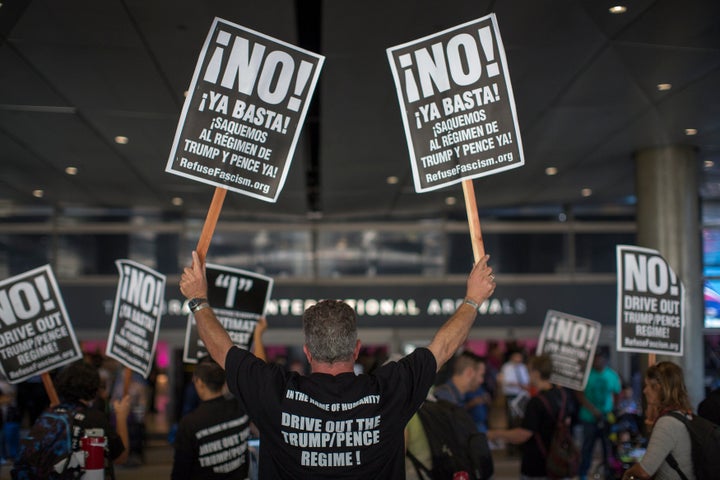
(50, 389)
(127, 376)
(651, 359)
(473, 220)
(210, 222)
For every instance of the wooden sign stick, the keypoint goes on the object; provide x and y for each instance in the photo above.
(473, 220)
(50, 389)
(210, 222)
(127, 376)
(651, 359)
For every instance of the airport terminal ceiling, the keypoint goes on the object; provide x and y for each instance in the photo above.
(591, 88)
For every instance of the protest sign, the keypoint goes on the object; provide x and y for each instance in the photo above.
(238, 298)
(136, 316)
(650, 303)
(242, 116)
(36, 335)
(571, 342)
(458, 106)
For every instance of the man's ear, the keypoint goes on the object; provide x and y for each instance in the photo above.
(356, 352)
(307, 354)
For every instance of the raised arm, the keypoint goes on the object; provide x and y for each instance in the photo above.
(480, 285)
(258, 345)
(193, 284)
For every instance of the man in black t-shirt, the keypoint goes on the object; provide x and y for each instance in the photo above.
(211, 441)
(333, 423)
(538, 425)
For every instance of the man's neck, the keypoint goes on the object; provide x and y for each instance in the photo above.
(211, 396)
(335, 368)
(459, 385)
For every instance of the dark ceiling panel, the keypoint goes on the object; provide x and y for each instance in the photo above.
(75, 74)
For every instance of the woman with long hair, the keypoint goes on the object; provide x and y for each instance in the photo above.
(665, 392)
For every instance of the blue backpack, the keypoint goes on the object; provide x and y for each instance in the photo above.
(51, 450)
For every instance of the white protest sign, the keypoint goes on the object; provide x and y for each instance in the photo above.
(36, 335)
(136, 316)
(245, 107)
(650, 303)
(458, 106)
(571, 342)
(239, 299)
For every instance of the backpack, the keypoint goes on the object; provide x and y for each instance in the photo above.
(705, 445)
(562, 459)
(51, 449)
(455, 443)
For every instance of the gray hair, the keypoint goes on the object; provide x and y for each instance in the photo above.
(330, 329)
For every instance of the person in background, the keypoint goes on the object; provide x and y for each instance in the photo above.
(218, 424)
(77, 386)
(596, 402)
(365, 414)
(665, 392)
(515, 382)
(710, 407)
(538, 424)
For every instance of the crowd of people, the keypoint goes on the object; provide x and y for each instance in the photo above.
(326, 421)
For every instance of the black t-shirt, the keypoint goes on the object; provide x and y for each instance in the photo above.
(94, 418)
(539, 421)
(324, 426)
(211, 442)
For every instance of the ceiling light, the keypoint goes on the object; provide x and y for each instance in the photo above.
(618, 9)
(586, 192)
(392, 180)
(709, 164)
(38, 193)
(691, 131)
(450, 201)
(121, 140)
(550, 171)
(177, 201)
(71, 170)
(664, 86)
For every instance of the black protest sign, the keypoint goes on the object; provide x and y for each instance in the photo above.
(36, 335)
(238, 298)
(650, 303)
(458, 106)
(136, 316)
(244, 110)
(571, 342)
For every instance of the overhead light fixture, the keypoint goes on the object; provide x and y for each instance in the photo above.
(691, 131)
(177, 201)
(392, 180)
(586, 192)
(450, 201)
(550, 171)
(121, 140)
(708, 164)
(663, 87)
(38, 193)
(618, 9)
(71, 170)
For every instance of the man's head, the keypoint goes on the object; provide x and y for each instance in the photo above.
(600, 361)
(330, 329)
(540, 368)
(468, 372)
(78, 381)
(210, 374)
(517, 357)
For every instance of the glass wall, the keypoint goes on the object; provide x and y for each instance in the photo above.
(81, 244)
